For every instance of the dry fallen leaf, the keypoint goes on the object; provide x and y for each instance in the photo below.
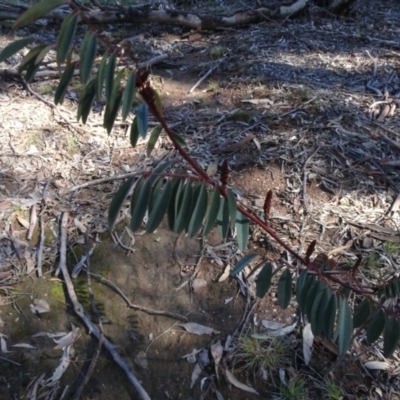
(197, 329)
(308, 339)
(225, 274)
(24, 346)
(23, 222)
(141, 359)
(216, 352)
(68, 339)
(3, 346)
(40, 306)
(79, 225)
(198, 284)
(380, 365)
(238, 384)
(195, 374)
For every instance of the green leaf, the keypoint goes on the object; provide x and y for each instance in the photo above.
(142, 116)
(155, 133)
(87, 56)
(329, 317)
(177, 187)
(134, 135)
(223, 218)
(101, 73)
(116, 85)
(391, 337)
(199, 212)
(161, 200)
(232, 207)
(362, 313)
(159, 170)
(310, 298)
(242, 228)
(139, 203)
(345, 325)
(263, 281)
(110, 114)
(66, 37)
(212, 212)
(318, 310)
(301, 280)
(285, 289)
(118, 201)
(157, 101)
(179, 139)
(129, 95)
(37, 11)
(86, 101)
(184, 202)
(31, 57)
(31, 71)
(394, 288)
(64, 83)
(376, 326)
(302, 299)
(242, 263)
(13, 48)
(109, 76)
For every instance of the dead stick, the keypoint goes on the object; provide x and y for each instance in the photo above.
(89, 372)
(135, 306)
(79, 310)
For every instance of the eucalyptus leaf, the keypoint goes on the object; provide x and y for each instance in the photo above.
(118, 201)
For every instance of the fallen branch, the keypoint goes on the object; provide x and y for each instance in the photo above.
(79, 310)
(136, 15)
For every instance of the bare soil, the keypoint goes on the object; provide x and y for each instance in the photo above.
(309, 91)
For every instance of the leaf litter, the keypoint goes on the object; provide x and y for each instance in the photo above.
(334, 98)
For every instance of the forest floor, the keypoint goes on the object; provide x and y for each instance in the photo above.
(295, 106)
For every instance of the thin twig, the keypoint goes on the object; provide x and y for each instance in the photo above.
(135, 306)
(90, 370)
(79, 310)
(205, 76)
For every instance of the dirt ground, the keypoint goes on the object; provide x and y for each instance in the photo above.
(295, 106)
